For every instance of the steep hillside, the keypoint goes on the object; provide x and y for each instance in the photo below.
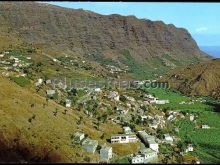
(59, 31)
(30, 132)
(201, 79)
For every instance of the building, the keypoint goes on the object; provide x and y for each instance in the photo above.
(78, 137)
(149, 140)
(191, 117)
(68, 103)
(97, 90)
(124, 138)
(168, 138)
(149, 155)
(137, 159)
(189, 148)
(161, 101)
(143, 118)
(146, 155)
(127, 130)
(90, 145)
(205, 127)
(122, 110)
(105, 153)
(113, 95)
(50, 93)
(48, 82)
(39, 82)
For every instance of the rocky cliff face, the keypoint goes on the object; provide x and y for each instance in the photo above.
(146, 47)
(83, 32)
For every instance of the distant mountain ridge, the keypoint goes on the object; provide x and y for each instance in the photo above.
(77, 32)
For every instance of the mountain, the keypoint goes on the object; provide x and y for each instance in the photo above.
(98, 38)
(212, 50)
(199, 80)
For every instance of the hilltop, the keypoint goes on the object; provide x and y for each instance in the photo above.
(199, 80)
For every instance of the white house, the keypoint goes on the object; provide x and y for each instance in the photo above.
(127, 130)
(48, 81)
(2, 55)
(191, 117)
(149, 140)
(161, 101)
(113, 95)
(137, 159)
(68, 103)
(124, 138)
(51, 92)
(205, 127)
(189, 148)
(122, 110)
(97, 90)
(171, 117)
(78, 136)
(90, 145)
(168, 138)
(146, 155)
(149, 155)
(39, 82)
(144, 117)
(105, 153)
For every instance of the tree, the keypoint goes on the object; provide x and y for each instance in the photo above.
(181, 145)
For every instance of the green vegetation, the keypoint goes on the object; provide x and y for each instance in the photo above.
(123, 161)
(206, 141)
(171, 59)
(22, 81)
(20, 54)
(175, 98)
(145, 70)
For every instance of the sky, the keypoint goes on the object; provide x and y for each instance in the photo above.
(202, 20)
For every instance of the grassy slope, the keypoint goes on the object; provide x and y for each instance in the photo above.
(207, 141)
(46, 131)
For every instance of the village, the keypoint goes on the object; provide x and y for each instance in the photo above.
(136, 112)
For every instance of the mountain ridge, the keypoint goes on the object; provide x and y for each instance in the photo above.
(84, 32)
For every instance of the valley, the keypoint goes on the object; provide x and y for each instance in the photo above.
(73, 89)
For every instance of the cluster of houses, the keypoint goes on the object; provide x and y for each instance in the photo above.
(146, 154)
(11, 63)
(114, 70)
(90, 145)
(153, 100)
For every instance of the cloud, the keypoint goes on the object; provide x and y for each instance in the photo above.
(201, 29)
